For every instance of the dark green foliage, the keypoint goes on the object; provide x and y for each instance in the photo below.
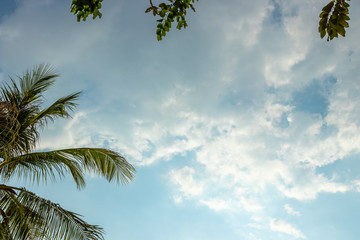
(84, 8)
(334, 19)
(168, 13)
(44, 166)
(28, 216)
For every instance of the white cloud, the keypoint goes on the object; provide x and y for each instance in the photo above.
(216, 204)
(280, 225)
(249, 153)
(250, 204)
(72, 133)
(291, 211)
(187, 184)
(246, 28)
(178, 199)
(309, 190)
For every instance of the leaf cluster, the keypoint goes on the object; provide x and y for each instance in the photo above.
(83, 8)
(168, 13)
(334, 19)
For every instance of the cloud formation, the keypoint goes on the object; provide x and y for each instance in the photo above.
(280, 225)
(291, 211)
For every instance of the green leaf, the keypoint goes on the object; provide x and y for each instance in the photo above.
(148, 9)
(84, 8)
(322, 33)
(343, 22)
(328, 7)
(334, 24)
(177, 9)
(324, 15)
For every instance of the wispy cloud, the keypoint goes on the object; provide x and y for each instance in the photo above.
(185, 180)
(216, 204)
(280, 225)
(291, 211)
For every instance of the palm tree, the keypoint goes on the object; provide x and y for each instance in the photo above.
(23, 214)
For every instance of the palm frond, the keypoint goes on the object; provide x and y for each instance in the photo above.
(43, 166)
(59, 108)
(10, 93)
(9, 125)
(23, 215)
(34, 82)
(56, 222)
(12, 215)
(22, 101)
(4, 232)
(33, 217)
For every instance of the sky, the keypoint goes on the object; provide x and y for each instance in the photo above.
(244, 126)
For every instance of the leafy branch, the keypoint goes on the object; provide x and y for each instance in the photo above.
(83, 8)
(168, 13)
(334, 19)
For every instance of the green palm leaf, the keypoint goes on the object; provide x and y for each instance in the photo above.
(23, 101)
(12, 214)
(9, 125)
(77, 162)
(56, 222)
(33, 217)
(60, 108)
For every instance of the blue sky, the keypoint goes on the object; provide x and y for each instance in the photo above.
(246, 125)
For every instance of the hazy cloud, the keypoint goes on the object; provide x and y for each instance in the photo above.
(291, 211)
(280, 225)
